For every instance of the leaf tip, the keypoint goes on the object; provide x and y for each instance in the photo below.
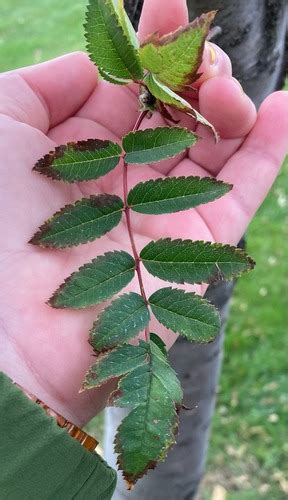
(35, 240)
(53, 300)
(229, 187)
(130, 486)
(44, 165)
(131, 478)
(251, 263)
(50, 302)
(82, 388)
(211, 14)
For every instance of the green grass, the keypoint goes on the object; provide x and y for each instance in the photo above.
(249, 438)
(248, 452)
(32, 31)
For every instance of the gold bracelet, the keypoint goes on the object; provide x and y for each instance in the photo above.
(89, 442)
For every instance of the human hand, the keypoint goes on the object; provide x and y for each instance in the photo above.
(45, 350)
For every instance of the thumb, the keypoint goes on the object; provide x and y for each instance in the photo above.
(162, 16)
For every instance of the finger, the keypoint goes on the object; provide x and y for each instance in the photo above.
(46, 94)
(252, 171)
(162, 16)
(223, 102)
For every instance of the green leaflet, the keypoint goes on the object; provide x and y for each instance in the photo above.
(186, 313)
(167, 96)
(173, 194)
(164, 94)
(112, 79)
(150, 387)
(108, 44)
(115, 363)
(175, 58)
(147, 433)
(155, 362)
(84, 221)
(127, 316)
(126, 23)
(80, 161)
(153, 145)
(131, 36)
(186, 261)
(159, 342)
(95, 282)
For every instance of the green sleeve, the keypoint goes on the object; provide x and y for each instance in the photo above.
(39, 460)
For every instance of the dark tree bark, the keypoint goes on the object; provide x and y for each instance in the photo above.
(253, 35)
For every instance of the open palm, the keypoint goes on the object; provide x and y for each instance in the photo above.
(46, 350)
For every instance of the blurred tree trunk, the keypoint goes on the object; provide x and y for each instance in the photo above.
(253, 34)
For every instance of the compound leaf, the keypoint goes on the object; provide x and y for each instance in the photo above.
(153, 145)
(173, 194)
(108, 43)
(80, 161)
(146, 434)
(95, 282)
(84, 221)
(186, 261)
(186, 313)
(127, 316)
(175, 58)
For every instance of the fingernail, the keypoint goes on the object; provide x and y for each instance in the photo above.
(213, 54)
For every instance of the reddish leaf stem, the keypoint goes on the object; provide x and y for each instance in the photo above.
(129, 225)
(140, 120)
